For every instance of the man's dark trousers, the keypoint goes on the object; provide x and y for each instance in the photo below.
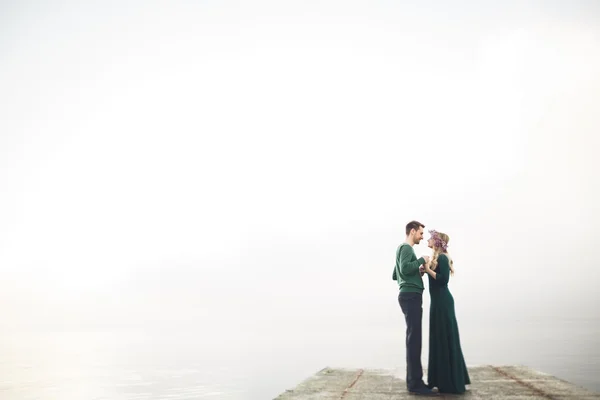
(412, 307)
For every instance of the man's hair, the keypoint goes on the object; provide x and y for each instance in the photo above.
(413, 225)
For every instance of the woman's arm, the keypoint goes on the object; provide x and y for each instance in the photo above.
(442, 273)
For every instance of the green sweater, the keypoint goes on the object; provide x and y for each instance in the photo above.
(407, 266)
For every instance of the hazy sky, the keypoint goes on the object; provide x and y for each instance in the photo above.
(212, 160)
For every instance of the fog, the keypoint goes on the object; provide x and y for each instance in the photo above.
(245, 166)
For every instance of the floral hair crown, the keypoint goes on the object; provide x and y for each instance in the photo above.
(438, 241)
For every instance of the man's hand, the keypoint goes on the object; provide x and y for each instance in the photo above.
(426, 258)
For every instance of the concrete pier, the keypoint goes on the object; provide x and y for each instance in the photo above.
(487, 383)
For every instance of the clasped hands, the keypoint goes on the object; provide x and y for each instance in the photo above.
(425, 267)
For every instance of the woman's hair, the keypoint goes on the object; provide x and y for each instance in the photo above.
(440, 244)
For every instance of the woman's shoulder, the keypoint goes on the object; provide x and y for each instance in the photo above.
(444, 257)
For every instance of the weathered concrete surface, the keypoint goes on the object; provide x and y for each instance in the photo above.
(487, 382)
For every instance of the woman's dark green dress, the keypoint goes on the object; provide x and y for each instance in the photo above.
(447, 369)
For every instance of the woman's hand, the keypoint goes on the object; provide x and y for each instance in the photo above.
(429, 271)
(427, 267)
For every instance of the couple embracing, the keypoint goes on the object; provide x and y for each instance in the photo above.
(446, 369)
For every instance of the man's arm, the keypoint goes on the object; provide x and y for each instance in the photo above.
(409, 267)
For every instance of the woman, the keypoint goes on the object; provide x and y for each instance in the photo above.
(447, 369)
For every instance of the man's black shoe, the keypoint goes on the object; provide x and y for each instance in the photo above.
(423, 391)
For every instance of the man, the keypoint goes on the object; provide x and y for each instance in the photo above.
(409, 276)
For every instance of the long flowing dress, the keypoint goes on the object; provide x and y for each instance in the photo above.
(447, 369)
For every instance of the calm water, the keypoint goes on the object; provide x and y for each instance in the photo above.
(217, 363)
